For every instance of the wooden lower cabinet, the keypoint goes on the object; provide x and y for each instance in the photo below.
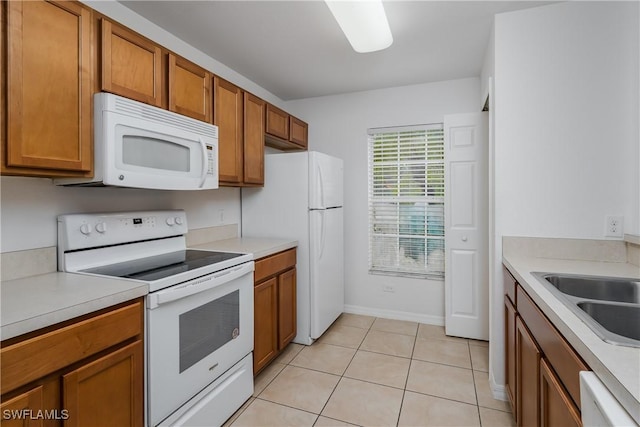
(510, 357)
(265, 343)
(287, 317)
(275, 320)
(541, 368)
(113, 378)
(86, 372)
(556, 406)
(528, 374)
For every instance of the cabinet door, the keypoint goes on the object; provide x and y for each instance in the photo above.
(31, 400)
(228, 116)
(277, 122)
(48, 86)
(265, 346)
(556, 407)
(298, 131)
(527, 377)
(108, 391)
(287, 319)
(510, 352)
(254, 108)
(189, 89)
(131, 65)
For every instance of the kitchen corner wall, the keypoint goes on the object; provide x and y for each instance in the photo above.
(567, 141)
(338, 126)
(30, 207)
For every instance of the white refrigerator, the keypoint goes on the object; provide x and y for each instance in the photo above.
(302, 200)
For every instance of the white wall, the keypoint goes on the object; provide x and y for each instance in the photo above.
(566, 127)
(30, 206)
(488, 67)
(339, 127)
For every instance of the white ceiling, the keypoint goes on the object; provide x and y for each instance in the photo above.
(295, 49)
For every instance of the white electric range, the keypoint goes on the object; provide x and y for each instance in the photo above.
(199, 311)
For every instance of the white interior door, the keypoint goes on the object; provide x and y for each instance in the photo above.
(466, 226)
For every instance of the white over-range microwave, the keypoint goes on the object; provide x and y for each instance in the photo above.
(140, 146)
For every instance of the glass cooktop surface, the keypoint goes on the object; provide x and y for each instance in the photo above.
(162, 266)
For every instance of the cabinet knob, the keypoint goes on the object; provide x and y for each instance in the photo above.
(464, 238)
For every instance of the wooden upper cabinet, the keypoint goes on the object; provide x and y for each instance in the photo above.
(277, 122)
(49, 93)
(131, 65)
(298, 132)
(254, 109)
(189, 89)
(228, 116)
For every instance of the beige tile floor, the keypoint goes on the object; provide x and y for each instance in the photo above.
(369, 371)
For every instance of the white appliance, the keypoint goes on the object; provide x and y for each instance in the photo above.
(137, 145)
(302, 200)
(199, 310)
(598, 406)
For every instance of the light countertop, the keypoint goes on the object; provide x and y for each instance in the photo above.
(617, 367)
(39, 301)
(259, 247)
(35, 302)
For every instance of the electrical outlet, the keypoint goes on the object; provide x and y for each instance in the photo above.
(388, 288)
(221, 214)
(614, 226)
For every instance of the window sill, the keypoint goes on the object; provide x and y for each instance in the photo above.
(428, 276)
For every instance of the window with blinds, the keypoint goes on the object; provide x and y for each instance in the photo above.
(406, 200)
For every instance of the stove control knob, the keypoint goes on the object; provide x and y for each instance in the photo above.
(101, 227)
(171, 221)
(85, 229)
(179, 220)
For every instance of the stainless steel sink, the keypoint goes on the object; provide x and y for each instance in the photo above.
(598, 288)
(610, 306)
(620, 319)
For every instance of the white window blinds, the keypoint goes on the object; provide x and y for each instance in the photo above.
(406, 200)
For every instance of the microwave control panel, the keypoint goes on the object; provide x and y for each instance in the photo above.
(212, 160)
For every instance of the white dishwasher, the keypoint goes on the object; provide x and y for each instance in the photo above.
(599, 407)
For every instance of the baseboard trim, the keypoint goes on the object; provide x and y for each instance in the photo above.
(499, 391)
(395, 315)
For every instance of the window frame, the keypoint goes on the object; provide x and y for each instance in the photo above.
(428, 202)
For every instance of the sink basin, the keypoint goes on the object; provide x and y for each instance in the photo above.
(610, 306)
(620, 319)
(597, 288)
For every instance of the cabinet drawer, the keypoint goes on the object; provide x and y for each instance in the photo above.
(509, 285)
(274, 264)
(41, 355)
(565, 361)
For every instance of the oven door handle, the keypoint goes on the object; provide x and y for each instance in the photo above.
(199, 285)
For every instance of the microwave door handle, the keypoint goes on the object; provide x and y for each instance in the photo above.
(205, 162)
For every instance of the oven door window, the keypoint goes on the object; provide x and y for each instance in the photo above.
(208, 327)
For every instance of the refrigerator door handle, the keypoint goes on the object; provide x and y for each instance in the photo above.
(321, 185)
(322, 234)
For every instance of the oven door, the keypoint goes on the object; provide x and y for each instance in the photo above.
(151, 154)
(196, 331)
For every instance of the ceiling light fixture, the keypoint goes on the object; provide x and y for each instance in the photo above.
(364, 23)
